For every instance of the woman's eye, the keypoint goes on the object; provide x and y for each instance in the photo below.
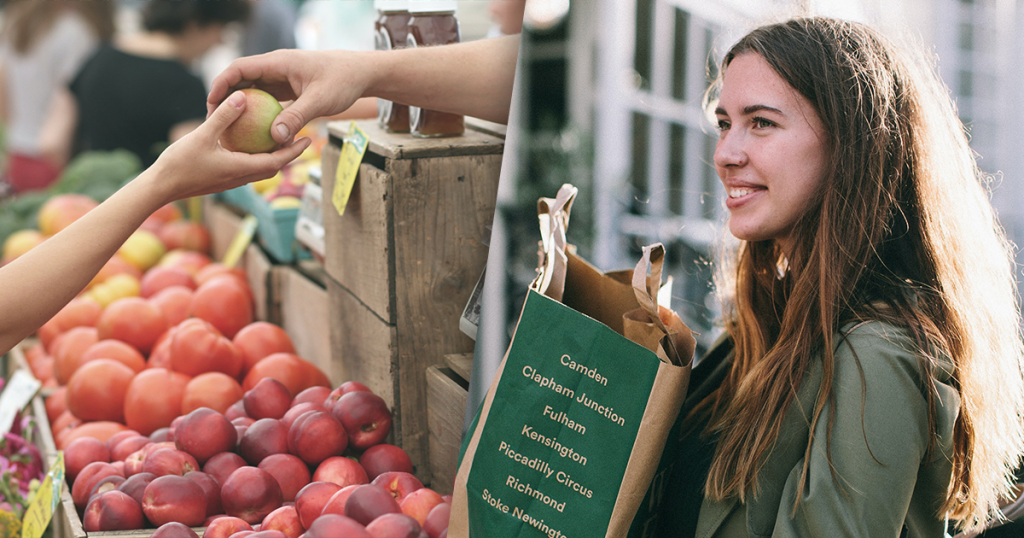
(723, 125)
(761, 123)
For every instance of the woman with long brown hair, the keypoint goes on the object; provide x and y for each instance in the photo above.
(870, 380)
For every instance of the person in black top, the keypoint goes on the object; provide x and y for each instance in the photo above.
(140, 94)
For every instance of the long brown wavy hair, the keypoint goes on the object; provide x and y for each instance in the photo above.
(25, 21)
(902, 231)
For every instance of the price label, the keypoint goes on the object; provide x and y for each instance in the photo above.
(240, 242)
(348, 166)
(44, 503)
(15, 397)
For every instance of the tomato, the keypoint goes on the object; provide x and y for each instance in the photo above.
(259, 339)
(174, 302)
(56, 404)
(133, 320)
(116, 350)
(96, 391)
(293, 371)
(198, 347)
(215, 390)
(102, 430)
(225, 303)
(68, 350)
(154, 399)
(161, 277)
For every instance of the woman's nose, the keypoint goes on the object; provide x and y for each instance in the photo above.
(730, 150)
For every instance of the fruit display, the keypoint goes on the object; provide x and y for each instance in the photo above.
(271, 463)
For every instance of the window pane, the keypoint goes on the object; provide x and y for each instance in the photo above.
(644, 30)
(679, 49)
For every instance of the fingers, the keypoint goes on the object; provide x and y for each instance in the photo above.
(225, 114)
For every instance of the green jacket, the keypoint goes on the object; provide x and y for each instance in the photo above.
(886, 481)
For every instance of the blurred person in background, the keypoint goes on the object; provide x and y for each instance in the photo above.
(42, 45)
(271, 26)
(139, 93)
(507, 16)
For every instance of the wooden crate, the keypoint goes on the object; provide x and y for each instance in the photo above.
(301, 300)
(403, 261)
(447, 392)
(223, 223)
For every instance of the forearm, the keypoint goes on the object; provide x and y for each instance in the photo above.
(474, 79)
(38, 284)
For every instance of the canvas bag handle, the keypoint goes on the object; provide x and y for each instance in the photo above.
(653, 258)
(553, 214)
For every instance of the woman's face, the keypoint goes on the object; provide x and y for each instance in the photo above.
(771, 152)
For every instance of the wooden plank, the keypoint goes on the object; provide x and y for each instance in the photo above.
(359, 243)
(406, 146)
(446, 407)
(305, 317)
(257, 270)
(461, 364)
(223, 224)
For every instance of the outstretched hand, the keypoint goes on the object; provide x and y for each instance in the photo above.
(197, 164)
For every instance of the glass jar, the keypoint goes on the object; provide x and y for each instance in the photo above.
(391, 30)
(433, 23)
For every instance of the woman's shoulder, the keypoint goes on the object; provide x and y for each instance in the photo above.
(880, 347)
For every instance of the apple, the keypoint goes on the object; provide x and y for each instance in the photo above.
(335, 526)
(336, 504)
(107, 483)
(269, 398)
(419, 503)
(365, 416)
(316, 436)
(212, 490)
(87, 479)
(345, 388)
(123, 449)
(340, 470)
(115, 439)
(174, 529)
(174, 498)
(291, 473)
(383, 458)
(112, 511)
(161, 435)
(225, 526)
(222, 465)
(82, 452)
(300, 409)
(250, 493)
(135, 486)
(310, 500)
(394, 526)
(264, 437)
(314, 395)
(250, 133)
(286, 520)
(397, 483)
(236, 410)
(370, 501)
(204, 433)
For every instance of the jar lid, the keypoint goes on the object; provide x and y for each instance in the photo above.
(431, 6)
(391, 5)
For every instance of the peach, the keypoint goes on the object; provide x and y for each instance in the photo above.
(250, 133)
(135, 486)
(383, 458)
(291, 473)
(174, 498)
(161, 435)
(270, 533)
(343, 389)
(335, 526)
(437, 519)
(225, 526)
(169, 461)
(269, 398)
(105, 484)
(394, 526)
(204, 433)
(310, 500)
(264, 437)
(212, 489)
(284, 519)
(313, 395)
(236, 410)
(336, 504)
(300, 409)
(112, 511)
(87, 479)
(82, 452)
(316, 436)
(174, 529)
(365, 416)
(370, 501)
(340, 470)
(419, 503)
(125, 447)
(250, 493)
(222, 465)
(397, 483)
(133, 463)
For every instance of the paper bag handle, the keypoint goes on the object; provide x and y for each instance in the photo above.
(553, 216)
(653, 258)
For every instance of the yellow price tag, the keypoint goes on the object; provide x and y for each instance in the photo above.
(44, 503)
(348, 166)
(240, 242)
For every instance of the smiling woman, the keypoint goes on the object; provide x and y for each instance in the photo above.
(869, 383)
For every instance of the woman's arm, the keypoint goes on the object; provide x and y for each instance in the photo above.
(39, 283)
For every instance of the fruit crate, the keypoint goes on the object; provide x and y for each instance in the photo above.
(447, 393)
(275, 228)
(403, 260)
